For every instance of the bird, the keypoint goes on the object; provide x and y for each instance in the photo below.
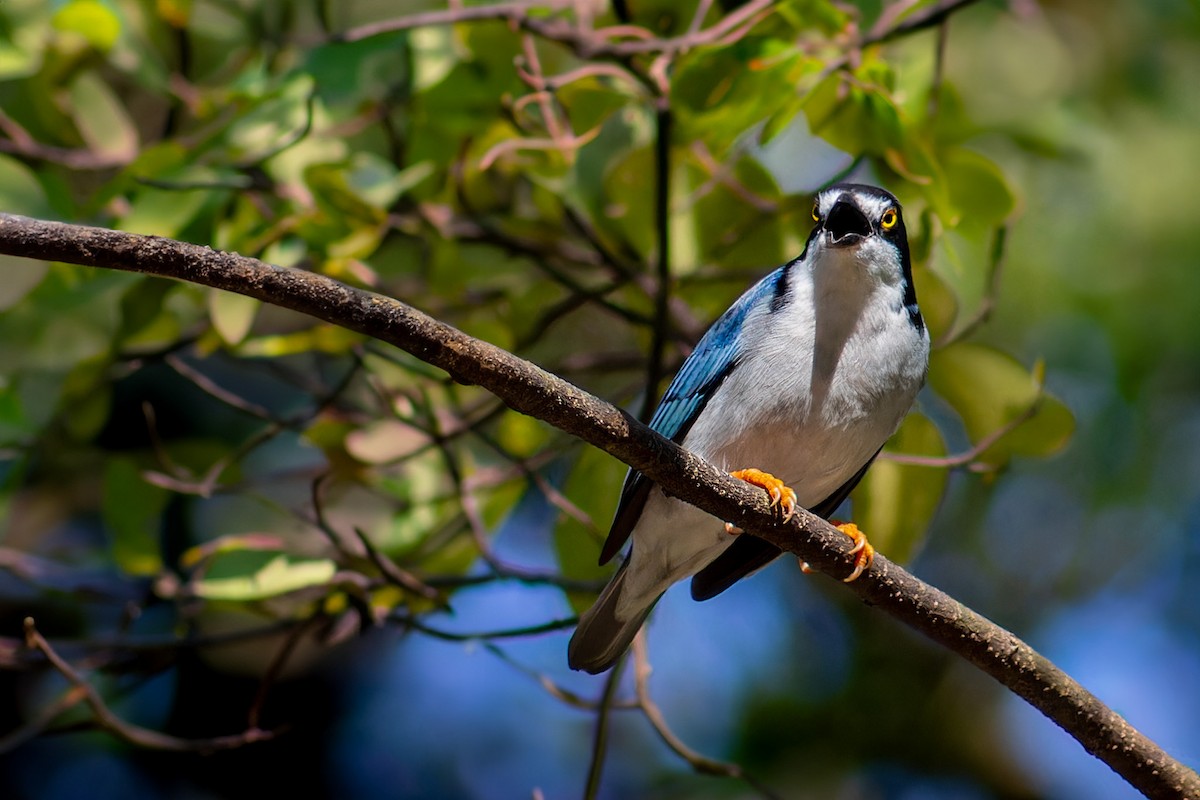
(795, 389)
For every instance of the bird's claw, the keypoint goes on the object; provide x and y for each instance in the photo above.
(863, 552)
(780, 493)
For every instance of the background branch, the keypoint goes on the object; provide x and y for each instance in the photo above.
(533, 391)
(127, 731)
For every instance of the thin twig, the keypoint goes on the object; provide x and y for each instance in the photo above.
(127, 731)
(662, 236)
(276, 667)
(73, 696)
(927, 18)
(990, 294)
(563, 695)
(700, 763)
(21, 143)
(417, 624)
(591, 786)
(213, 389)
(391, 571)
(451, 16)
(968, 458)
(588, 45)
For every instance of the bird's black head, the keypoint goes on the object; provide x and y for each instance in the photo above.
(850, 216)
(848, 213)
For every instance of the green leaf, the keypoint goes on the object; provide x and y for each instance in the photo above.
(855, 117)
(629, 198)
(273, 119)
(731, 231)
(434, 55)
(86, 400)
(141, 305)
(333, 186)
(92, 20)
(15, 424)
(500, 501)
(163, 212)
(20, 191)
(22, 47)
(229, 543)
(977, 188)
(593, 486)
(939, 303)
(895, 502)
(427, 500)
(991, 391)
(132, 512)
(247, 575)
(321, 338)
(521, 435)
(590, 101)
(232, 314)
(101, 119)
(351, 73)
(824, 15)
(721, 92)
(21, 275)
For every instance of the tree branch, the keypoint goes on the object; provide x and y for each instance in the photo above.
(528, 389)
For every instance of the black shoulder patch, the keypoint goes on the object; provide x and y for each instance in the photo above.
(779, 297)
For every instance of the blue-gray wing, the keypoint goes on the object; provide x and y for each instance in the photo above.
(715, 357)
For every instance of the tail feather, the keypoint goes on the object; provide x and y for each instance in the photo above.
(601, 638)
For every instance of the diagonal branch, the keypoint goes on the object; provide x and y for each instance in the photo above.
(531, 390)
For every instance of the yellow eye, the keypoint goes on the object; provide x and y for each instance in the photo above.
(889, 219)
(816, 213)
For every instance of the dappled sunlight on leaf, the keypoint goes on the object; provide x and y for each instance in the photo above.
(992, 393)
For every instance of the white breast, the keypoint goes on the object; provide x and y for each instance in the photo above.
(821, 387)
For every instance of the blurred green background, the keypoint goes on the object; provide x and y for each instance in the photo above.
(161, 443)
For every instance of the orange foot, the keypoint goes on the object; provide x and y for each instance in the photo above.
(781, 495)
(862, 551)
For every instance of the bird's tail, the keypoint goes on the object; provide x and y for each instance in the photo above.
(601, 638)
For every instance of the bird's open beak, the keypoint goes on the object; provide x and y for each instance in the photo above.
(846, 224)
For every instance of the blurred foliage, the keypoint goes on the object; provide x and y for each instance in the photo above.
(211, 464)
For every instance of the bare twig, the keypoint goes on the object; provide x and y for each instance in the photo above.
(700, 763)
(591, 786)
(278, 663)
(451, 16)
(927, 18)
(968, 458)
(417, 624)
(590, 45)
(390, 570)
(126, 731)
(21, 143)
(662, 235)
(988, 303)
(722, 175)
(565, 696)
(72, 697)
(213, 389)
